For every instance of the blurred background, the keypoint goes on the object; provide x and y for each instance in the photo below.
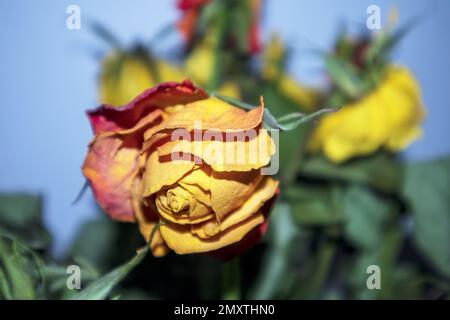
(49, 78)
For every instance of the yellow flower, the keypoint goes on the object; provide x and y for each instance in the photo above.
(273, 58)
(388, 117)
(199, 67)
(204, 202)
(305, 97)
(121, 82)
(273, 70)
(199, 64)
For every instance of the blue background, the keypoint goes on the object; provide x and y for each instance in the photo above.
(49, 77)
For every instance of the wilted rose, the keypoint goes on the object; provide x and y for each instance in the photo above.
(202, 202)
(389, 117)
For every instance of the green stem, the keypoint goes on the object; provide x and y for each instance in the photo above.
(216, 75)
(291, 169)
(231, 280)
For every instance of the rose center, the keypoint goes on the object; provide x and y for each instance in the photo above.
(178, 202)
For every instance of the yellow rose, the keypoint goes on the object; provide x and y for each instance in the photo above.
(199, 66)
(204, 202)
(390, 117)
(305, 97)
(122, 81)
(273, 66)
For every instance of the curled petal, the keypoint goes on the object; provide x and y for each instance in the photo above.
(250, 239)
(180, 238)
(208, 114)
(230, 190)
(147, 218)
(180, 206)
(109, 168)
(263, 193)
(238, 151)
(161, 172)
(111, 165)
(112, 118)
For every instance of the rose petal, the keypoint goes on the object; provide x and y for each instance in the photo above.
(182, 241)
(207, 114)
(109, 168)
(240, 151)
(198, 212)
(163, 172)
(230, 190)
(264, 192)
(250, 239)
(111, 118)
(111, 164)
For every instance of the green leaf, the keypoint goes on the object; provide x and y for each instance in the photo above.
(380, 171)
(315, 206)
(291, 143)
(427, 190)
(293, 120)
(20, 209)
(285, 123)
(5, 290)
(273, 276)
(381, 46)
(240, 23)
(385, 255)
(101, 288)
(365, 214)
(103, 33)
(344, 76)
(21, 270)
(21, 216)
(95, 242)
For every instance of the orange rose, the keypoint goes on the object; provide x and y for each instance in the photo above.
(204, 201)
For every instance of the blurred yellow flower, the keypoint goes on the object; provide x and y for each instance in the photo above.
(273, 69)
(305, 97)
(199, 64)
(123, 77)
(199, 67)
(273, 58)
(230, 89)
(390, 116)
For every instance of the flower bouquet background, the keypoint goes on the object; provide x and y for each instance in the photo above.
(349, 217)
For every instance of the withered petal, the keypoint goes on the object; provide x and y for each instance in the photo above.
(113, 118)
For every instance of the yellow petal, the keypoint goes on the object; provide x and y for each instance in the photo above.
(230, 89)
(264, 192)
(180, 206)
(147, 218)
(182, 241)
(230, 190)
(389, 116)
(211, 113)
(163, 172)
(200, 176)
(234, 151)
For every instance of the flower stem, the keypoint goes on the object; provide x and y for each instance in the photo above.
(231, 280)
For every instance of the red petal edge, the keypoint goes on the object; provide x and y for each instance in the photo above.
(108, 118)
